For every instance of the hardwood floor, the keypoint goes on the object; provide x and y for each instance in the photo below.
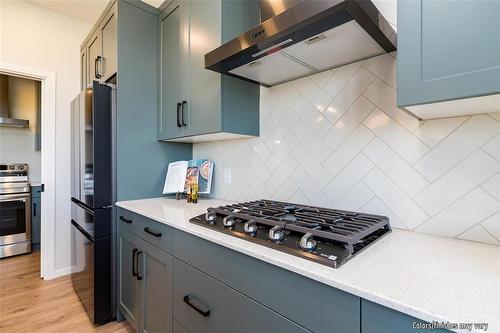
(30, 304)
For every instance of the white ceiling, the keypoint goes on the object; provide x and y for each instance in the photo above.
(90, 10)
(84, 10)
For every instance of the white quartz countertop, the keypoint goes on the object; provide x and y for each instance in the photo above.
(429, 277)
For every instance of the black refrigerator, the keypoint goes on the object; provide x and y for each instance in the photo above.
(92, 199)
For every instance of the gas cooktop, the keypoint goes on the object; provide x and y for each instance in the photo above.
(327, 236)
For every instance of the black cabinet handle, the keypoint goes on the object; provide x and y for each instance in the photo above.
(188, 301)
(125, 220)
(134, 263)
(99, 63)
(182, 113)
(149, 231)
(178, 116)
(139, 277)
(95, 68)
(34, 209)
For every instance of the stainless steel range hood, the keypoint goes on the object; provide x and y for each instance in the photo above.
(5, 119)
(299, 38)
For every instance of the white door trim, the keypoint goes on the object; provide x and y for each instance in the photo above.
(48, 159)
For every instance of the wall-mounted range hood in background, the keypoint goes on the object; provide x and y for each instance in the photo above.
(5, 117)
(302, 37)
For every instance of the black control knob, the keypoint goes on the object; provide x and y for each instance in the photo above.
(229, 221)
(307, 242)
(250, 227)
(276, 233)
(210, 217)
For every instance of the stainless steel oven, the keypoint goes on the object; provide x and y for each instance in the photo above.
(15, 210)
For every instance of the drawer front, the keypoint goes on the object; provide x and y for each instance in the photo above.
(335, 311)
(129, 221)
(157, 234)
(202, 304)
(151, 231)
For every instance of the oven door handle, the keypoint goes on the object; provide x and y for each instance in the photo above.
(15, 199)
(23, 197)
(83, 231)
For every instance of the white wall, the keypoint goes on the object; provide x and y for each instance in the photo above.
(38, 38)
(17, 145)
(337, 139)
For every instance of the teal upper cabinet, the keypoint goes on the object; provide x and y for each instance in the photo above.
(448, 51)
(196, 104)
(98, 54)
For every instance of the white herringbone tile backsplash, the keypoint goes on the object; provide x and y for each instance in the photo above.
(336, 139)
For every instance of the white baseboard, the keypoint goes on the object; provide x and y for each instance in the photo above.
(57, 273)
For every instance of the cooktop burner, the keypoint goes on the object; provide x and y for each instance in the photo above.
(327, 236)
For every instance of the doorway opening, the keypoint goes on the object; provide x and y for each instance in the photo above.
(27, 146)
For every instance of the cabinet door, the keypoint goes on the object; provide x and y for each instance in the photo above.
(178, 328)
(203, 108)
(109, 45)
(129, 292)
(94, 55)
(169, 121)
(376, 318)
(447, 50)
(35, 220)
(156, 273)
(83, 69)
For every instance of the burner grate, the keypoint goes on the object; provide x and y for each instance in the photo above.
(345, 227)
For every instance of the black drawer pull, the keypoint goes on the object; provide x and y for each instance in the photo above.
(156, 234)
(125, 220)
(134, 263)
(34, 209)
(204, 313)
(139, 276)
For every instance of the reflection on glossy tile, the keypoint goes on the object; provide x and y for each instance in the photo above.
(384, 97)
(349, 121)
(384, 67)
(313, 93)
(399, 139)
(311, 116)
(349, 93)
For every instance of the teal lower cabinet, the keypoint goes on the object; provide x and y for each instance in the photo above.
(145, 284)
(128, 285)
(36, 203)
(177, 282)
(376, 318)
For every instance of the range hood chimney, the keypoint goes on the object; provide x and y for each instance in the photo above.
(301, 37)
(5, 116)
